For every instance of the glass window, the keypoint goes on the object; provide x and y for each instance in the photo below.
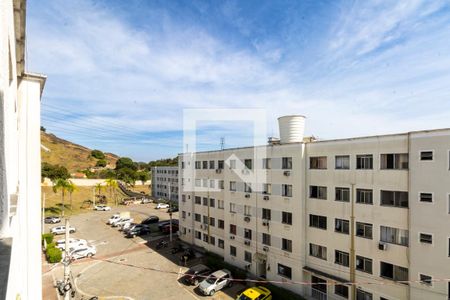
(286, 218)
(284, 271)
(394, 199)
(286, 163)
(318, 221)
(233, 186)
(221, 224)
(426, 279)
(342, 194)
(267, 188)
(342, 162)
(395, 161)
(363, 264)
(220, 164)
(205, 164)
(286, 190)
(341, 226)
(341, 290)
(247, 233)
(318, 192)
(221, 243)
(232, 229)
(362, 295)
(426, 197)
(247, 187)
(232, 207)
(266, 163)
(248, 256)
(426, 238)
(426, 155)
(394, 235)
(248, 163)
(393, 272)
(266, 239)
(318, 162)
(364, 161)
(341, 258)
(266, 214)
(286, 245)
(233, 251)
(364, 230)
(318, 251)
(364, 196)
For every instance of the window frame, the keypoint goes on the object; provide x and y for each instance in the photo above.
(341, 254)
(321, 192)
(336, 167)
(364, 226)
(359, 191)
(317, 162)
(426, 193)
(343, 222)
(424, 281)
(287, 275)
(365, 262)
(397, 200)
(423, 240)
(361, 165)
(423, 151)
(317, 221)
(286, 245)
(288, 219)
(341, 191)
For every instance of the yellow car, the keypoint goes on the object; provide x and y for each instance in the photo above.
(255, 293)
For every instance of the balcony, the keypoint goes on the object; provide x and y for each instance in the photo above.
(319, 295)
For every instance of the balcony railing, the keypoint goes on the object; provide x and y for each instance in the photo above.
(319, 295)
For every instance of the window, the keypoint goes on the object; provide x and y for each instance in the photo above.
(364, 161)
(286, 190)
(318, 221)
(247, 233)
(318, 251)
(364, 230)
(318, 192)
(286, 245)
(341, 258)
(233, 251)
(183, 198)
(211, 164)
(198, 235)
(394, 235)
(426, 197)
(205, 182)
(266, 214)
(286, 218)
(198, 200)
(286, 163)
(198, 165)
(212, 183)
(266, 239)
(247, 210)
(212, 202)
(267, 188)
(232, 164)
(426, 155)
(363, 264)
(220, 164)
(284, 271)
(220, 243)
(198, 182)
(221, 184)
(220, 204)
(233, 186)
(248, 256)
(341, 226)
(212, 240)
(248, 164)
(221, 224)
(393, 272)
(233, 229)
(426, 279)
(394, 161)
(342, 194)
(212, 221)
(247, 187)
(319, 162)
(266, 163)
(426, 238)
(341, 290)
(205, 219)
(362, 295)
(394, 198)
(183, 214)
(342, 162)
(232, 207)
(205, 201)
(205, 164)
(364, 196)
(198, 217)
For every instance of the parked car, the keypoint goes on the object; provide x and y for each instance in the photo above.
(162, 205)
(187, 255)
(122, 221)
(73, 243)
(146, 200)
(256, 293)
(81, 252)
(138, 230)
(150, 220)
(166, 228)
(102, 207)
(113, 219)
(52, 220)
(196, 274)
(215, 282)
(127, 226)
(62, 229)
(164, 223)
(172, 209)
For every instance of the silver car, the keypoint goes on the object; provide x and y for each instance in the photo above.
(215, 282)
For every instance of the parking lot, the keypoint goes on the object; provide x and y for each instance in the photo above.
(130, 268)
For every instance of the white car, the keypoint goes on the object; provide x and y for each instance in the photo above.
(102, 207)
(81, 252)
(121, 222)
(61, 230)
(113, 219)
(73, 243)
(215, 282)
(162, 205)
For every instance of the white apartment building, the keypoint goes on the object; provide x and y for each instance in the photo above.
(313, 215)
(163, 180)
(20, 163)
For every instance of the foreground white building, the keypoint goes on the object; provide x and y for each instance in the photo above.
(165, 183)
(20, 164)
(374, 211)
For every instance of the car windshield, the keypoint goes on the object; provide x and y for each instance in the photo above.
(211, 279)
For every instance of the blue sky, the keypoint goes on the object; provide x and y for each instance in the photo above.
(120, 73)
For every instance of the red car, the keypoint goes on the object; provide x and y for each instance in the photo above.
(166, 228)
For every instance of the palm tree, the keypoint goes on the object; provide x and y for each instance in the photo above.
(71, 187)
(98, 187)
(63, 185)
(112, 185)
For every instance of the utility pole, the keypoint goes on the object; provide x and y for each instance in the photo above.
(352, 244)
(170, 214)
(67, 264)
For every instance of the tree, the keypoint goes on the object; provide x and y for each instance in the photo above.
(99, 187)
(101, 163)
(97, 154)
(127, 175)
(54, 172)
(112, 185)
(125, 162)
(143, 176)
(43, 129)
(63, 185)
(71, 187)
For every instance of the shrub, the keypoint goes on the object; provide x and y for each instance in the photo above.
(48, 237)
(97, 154)
(101, 163)
(54, 255)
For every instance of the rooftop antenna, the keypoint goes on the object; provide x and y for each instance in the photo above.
(222, 143)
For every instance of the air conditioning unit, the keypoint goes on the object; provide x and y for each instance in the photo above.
(247, 195)
(247, 219)
(266, 198)
(382, 246)
(247, 242)
(287, 173)
(232, 237)
(266, 249)
(265, 222)
(218, 171)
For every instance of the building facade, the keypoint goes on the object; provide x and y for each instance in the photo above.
(165, 183)
(316, 215)
(20, 164)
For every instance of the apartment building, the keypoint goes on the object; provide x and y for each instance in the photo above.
(374, 211)
(163, 180)
(20, 208)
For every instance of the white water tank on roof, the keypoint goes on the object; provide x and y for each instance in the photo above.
(292, 128)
